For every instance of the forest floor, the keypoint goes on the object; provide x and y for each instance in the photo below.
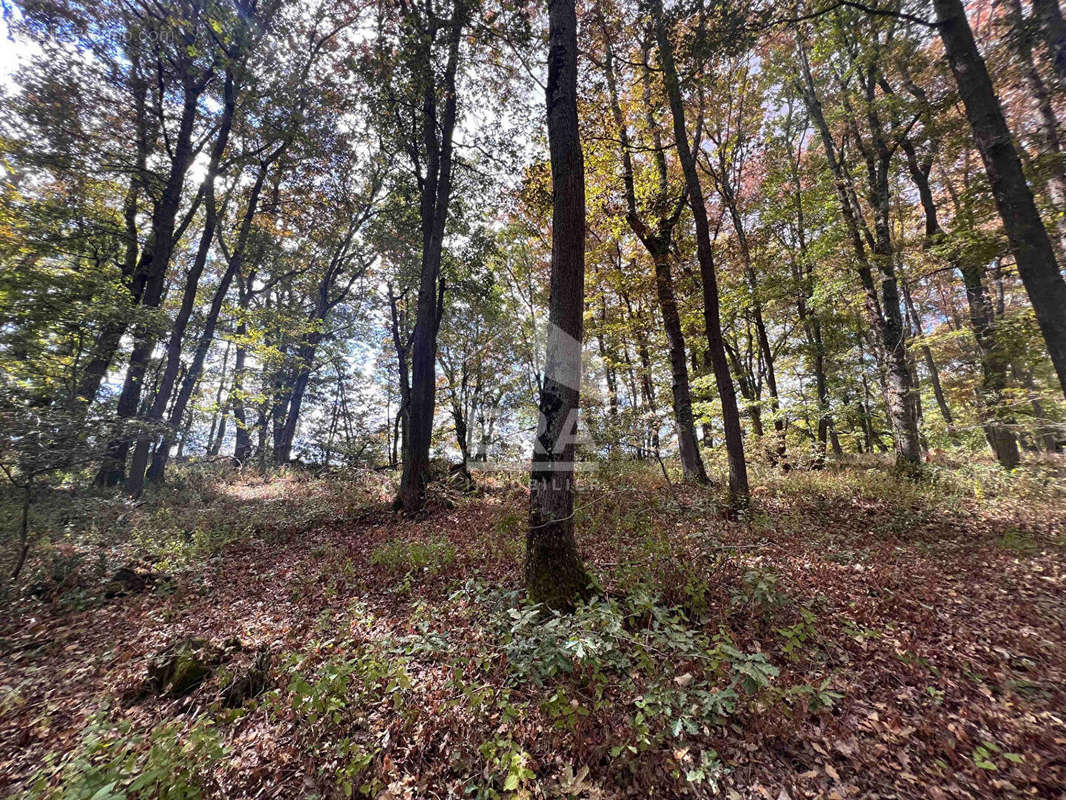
(859, 636)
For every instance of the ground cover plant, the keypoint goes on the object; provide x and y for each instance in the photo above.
(860, 634)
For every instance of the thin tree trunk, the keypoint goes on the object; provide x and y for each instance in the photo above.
(927, 355)
(402, 347)
(608, 359)
(236, 259)
(242, 439)
(149, 280)
(882, 309)
(657, 239)
(746, 382)
(214, 443)
(110, 337)
(995, 421)
(647, 382)
(305, 360)
(436, 188)
(24, 530)
(729, 197)
(734, 438)
(139, 462)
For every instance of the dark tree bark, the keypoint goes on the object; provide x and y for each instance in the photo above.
(286, 431)
(915, 320)
(438, 126)
(647, 384)
(554, 573)
(215, 440)
(332, 290)
(1050, 169)
(995, 421)
(727, 191)
(803, 274)
(1053, 32)
(110, 336)
(242, 438)
(656, 235)
(149, 279)
(1025, 230)
(734, 438)
(401, 342)
(135, 481)
(747, 382)
(234, 262)
(608, 369)
(464, 391)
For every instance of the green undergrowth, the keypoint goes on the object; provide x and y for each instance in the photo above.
(690, 641)
(942, 483)
(82, 535)
(630, 676)
(173, 761)
(402, 557)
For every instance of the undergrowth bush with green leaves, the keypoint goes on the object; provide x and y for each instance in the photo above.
(676, 681)
(401, 556)
(173, 761)
(333, 699)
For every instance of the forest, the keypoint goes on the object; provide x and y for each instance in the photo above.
(491, 399)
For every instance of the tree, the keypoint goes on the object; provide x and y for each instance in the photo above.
(1025, 230)
(554, 573)
(429, 52)
(877, 142)
(191, 71)
(655, 229)
(731, 128)
(734, 438)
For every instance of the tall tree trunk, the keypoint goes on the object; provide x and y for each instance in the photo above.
(554, 573)
(214, 442)
(656, 236)
(1025, 230)
(609, 362)
(139, 462)
(734, 438)
(995, 421)
(1050, 168)
(402, 346)
(233, 267)
(688, 445)
(264, 416)
(927, 355)
(748, 389)
(729, 197)
(609, 375)
(150, 278)
(436, 188)
(647, 383)
(305, 363)
(242, 438)
(108, 341)
(1053, 32)
(883, 309)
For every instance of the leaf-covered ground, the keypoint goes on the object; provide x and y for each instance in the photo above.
(858, 636)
